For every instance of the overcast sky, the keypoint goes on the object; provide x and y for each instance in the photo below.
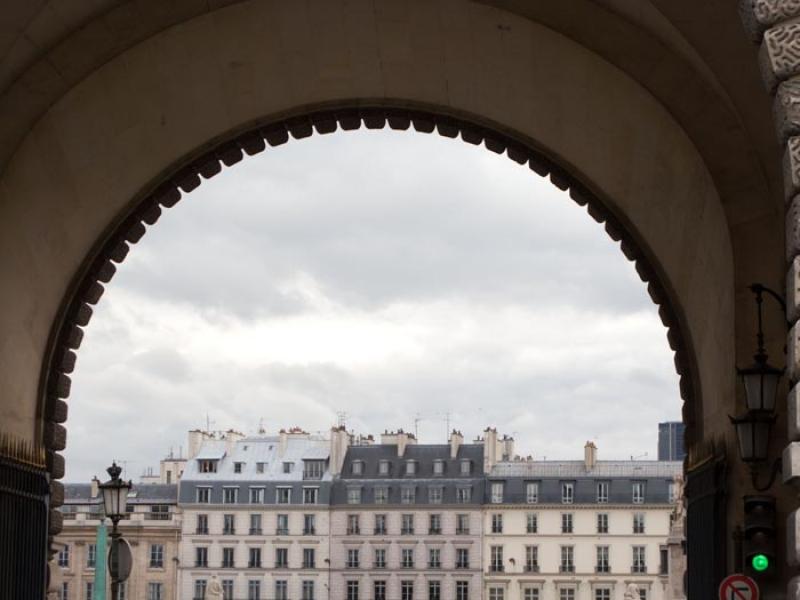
(386, 275)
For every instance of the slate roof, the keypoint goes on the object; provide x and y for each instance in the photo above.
(424, 454)
(151, 493)
(575, 469)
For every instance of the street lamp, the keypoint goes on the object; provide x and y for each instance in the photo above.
(115, 499)
(760, 382)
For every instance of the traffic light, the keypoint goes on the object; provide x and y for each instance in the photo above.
(759, 536)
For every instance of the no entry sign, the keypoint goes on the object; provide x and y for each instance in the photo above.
(738, 587)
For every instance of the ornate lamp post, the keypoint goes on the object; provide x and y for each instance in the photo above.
(115, 499)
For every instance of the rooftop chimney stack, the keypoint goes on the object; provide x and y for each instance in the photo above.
(589, 456)
(456, 439)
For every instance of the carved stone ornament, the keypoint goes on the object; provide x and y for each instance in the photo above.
(780, 53)
(759, 15)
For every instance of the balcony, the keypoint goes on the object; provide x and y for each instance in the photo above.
(254, 564)
(407, 531)
(229, 531)
(201, 563)
(434, 565)
(602, 569)
(227, 565)
(639, 569)
(282, 531)
(435, 531)
(462, 531)
(380, 531)
(496, 568)
(201, 531)
(255, 531)
(568, 568)
(532, 568)
(353, 531)
(462, 565)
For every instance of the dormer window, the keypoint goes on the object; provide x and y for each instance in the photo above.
(411, 467)
(438, 467)
(288, 467)
(238, 467)
(466, 467)
(358, 467)
(259, 467)
(208, 466)
(383, 467)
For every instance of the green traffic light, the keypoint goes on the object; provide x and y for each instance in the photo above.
(760, 562)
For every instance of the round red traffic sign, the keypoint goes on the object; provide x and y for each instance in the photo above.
(738, 587)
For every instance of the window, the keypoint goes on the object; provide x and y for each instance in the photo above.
(283, 525)
(496, 559)
(204, 495)
(254, 558)
(566, 593)
(256, 495)
(438, 467)
(602, 522)
(462, 590)
(237, 467)
(407, 558)
(532, 523)
(89, 590)
(435, 524)
(496, 593)
(308, 590)
(532, 559)
(434, 590)
(639, 561)
(408, 495)
(63, 557)
(567, 559)
(406, 590)
(281, 558)
(435, 494)
(309, 558)
(310, 495)
(354, 495)
(602, 492)
(228, 524)
(463, 495)
(281, 589)
(352, 590)
(380, 558)
(530, 593)
(566, 522)
(313, 469)
(283, 495)
(638, 492)
(567, 492)
(380, 524)
(462, 524)
(407, 525)
(288, 467)
(497, 492)
(497, 523)
(379, 590)
(156, 556)
(602, 565)
(230, 495)
(91, 556)
(353, 525)
(155, 591)
(227, 558)
(532, 492)
(309, 525)
(63, 592)
(381, 495)
(434, 558)
(411, 467)
(255, 524)
(208, 466)
(202, 525)
(462, 558)
(158, 512)
(200, 588)
(254, 589)
(227, 589)
(352, 558)
(383, 467)
(358, 467)
(638, 522)
(201, 556)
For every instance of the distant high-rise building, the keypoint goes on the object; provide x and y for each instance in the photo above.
(670, 441)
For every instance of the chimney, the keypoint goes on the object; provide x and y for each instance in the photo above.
(231, 437)
(489, 449)
(340, 441)
(196, 439)
(589, 456)
(456, 439)
(283, 442)
(95, 489)
(508, 447)
(398, 438)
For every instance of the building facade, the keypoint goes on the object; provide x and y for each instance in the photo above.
(670, 440)
(578, 530)
(255, 515)
(406, 521)
(152, 527)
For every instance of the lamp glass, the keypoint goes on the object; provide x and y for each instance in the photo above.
(761, 386)
(753, 431)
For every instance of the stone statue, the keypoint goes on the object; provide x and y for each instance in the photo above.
(632, 592)
(214, 591)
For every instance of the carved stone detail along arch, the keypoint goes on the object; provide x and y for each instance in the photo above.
(88, 286)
